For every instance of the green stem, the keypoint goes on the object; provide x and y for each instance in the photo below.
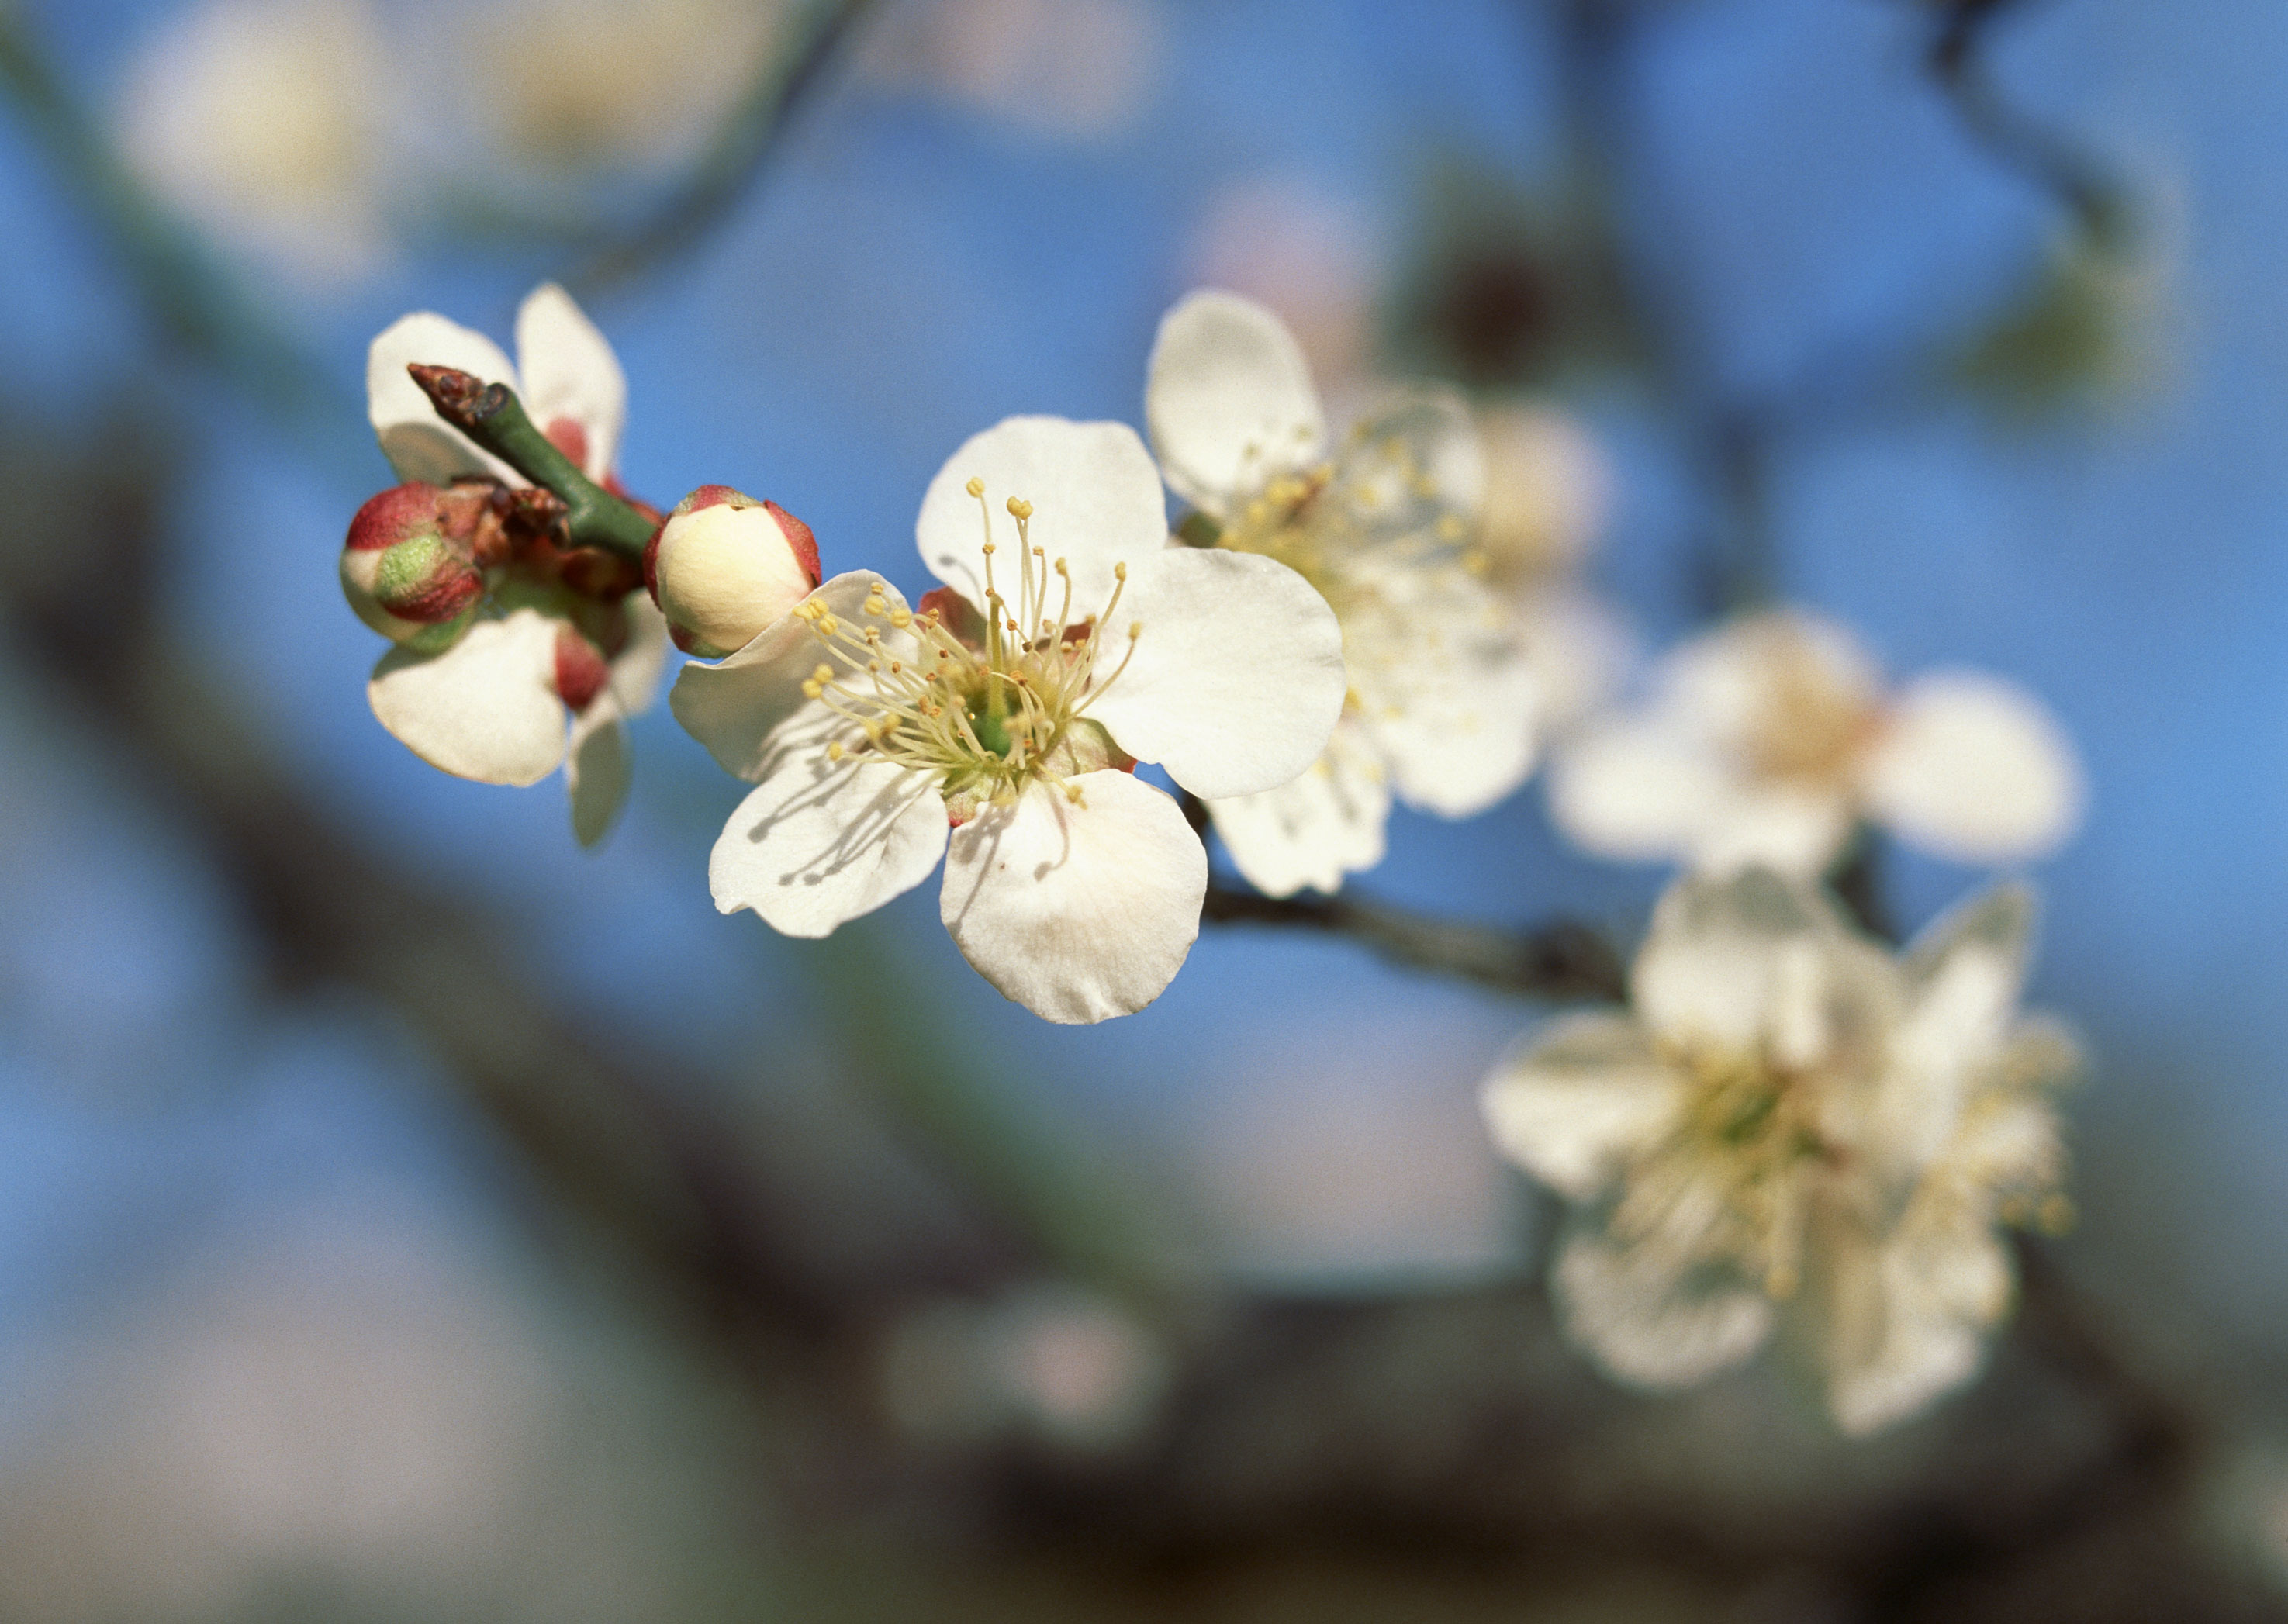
(490, 415)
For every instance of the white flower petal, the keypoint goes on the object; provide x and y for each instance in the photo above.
(1738, 964)
(1963, 975)
(1575, 1101)
(744, 708)
(570, 372)
(1312, 830)
(485, 708)
(1975, 769)
(1797, 829)
(1907, 1321)
(1079, 913)
(819, 843)
(1636, 791)
(1229, 400)
(1782, 670)
(1417, 457)
(1236, 677)
(1647, 1321)
(1096, 502)
(1448, 693)
(419, 444)
(636, 668)
(1578, 649)
(598, 768)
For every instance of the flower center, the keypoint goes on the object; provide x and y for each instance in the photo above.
(1809, 726)
(1374, 534)
(1730, 1180)
(990, 705)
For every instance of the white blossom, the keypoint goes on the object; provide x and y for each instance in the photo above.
(1548, 493)
(1794, 1130)
(1441, 703)
(494, 705)
(1767, 739)
(261, 120)
(995, 727)
(1080, 70)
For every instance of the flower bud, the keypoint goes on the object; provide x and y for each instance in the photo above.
(725, 567)
(408, 568)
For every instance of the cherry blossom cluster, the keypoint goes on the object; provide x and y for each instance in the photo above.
(1790, 1133)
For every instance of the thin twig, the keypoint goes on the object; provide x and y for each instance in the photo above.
(1561, 960)
(748, 140)
(2084, 185)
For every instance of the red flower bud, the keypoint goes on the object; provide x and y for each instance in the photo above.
(581, 668)
(407, 566)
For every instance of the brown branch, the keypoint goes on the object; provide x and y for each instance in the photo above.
(1561, 960)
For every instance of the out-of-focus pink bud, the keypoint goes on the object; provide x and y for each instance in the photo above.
(726, 567)
(581, 668)
(408, 567)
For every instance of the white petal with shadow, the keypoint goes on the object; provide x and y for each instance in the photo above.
(1078, 912)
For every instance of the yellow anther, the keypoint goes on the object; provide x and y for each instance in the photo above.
(876, 606)
(1476, 562)
(822, 672)
(1018, 508)
(1120, 572)
(1135, 630)
(990, 549)
(1061, 570)
(834, 751)
(828, 625)
(811, 688)
(902, 617)
(976, 488)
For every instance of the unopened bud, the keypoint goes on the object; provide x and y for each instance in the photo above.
(408, 568)
(723, 567)
(581, 668)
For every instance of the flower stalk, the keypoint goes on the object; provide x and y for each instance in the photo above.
(491, 414)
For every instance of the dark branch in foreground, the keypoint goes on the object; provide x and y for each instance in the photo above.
(1561, 960)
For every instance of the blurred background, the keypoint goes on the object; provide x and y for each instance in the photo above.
(405, 1215)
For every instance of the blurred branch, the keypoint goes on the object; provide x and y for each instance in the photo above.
(1561, 960)
(1564, 960)
(2092, 196)
(748, 140)
(204, 305)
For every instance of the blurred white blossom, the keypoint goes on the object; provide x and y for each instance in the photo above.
(1305, 252)
(1011, 710)
(1442, 695)
(1793, 1129)
(1078, 70)
(1768, 738)
(583, 88)
(264, 122)
(544, 676)
(1549, 492)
